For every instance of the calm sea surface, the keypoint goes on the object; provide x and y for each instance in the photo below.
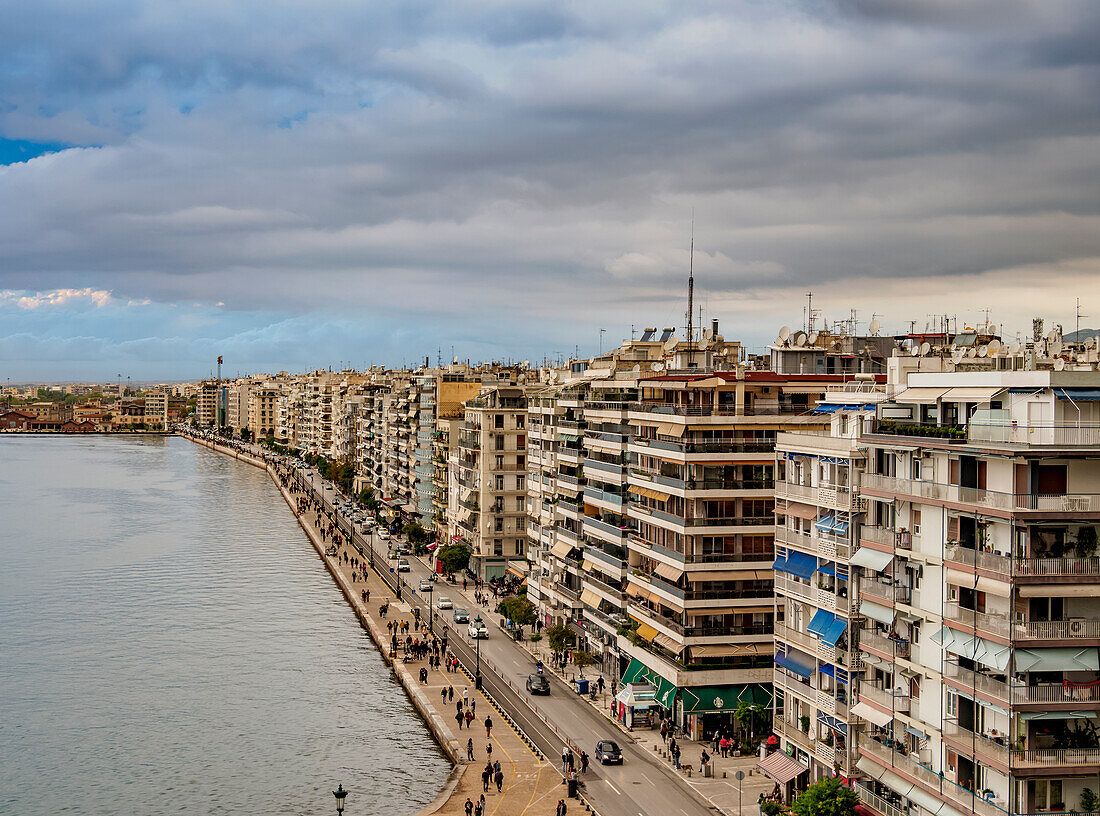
(170, 643)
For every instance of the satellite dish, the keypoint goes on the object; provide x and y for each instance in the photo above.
(1059, 364)
(658, 366)
(994, 347)
(1052, 335)
(972, 352)
(784, 335)
(1016, 349)
(636, 370)
(875, 326)
(983, 351)
(1056, 348)
(670, 344)
(925, 347)
(813, 338)
(957, 355)
(799, 339)
(1090, 342)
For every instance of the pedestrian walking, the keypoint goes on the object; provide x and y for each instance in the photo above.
(584, 762)
(496, 766)
(498, 777)
(470, 750)
(450, 693)
(485, 774)
(488, 728)
(676, 757)
(559, 811)
(443, 694)
(469, 806)
(489, 751)
(565, 760)
(469, 717)
(465, 696)
(599, 683)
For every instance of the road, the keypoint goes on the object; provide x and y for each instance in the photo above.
(641, 786)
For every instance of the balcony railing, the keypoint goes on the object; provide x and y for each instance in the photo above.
(1052, 435)
(1056, 630)
(1020, 694)
(983, 621)
(1023, 567)
(886, 592)
(886, 700)
(1015, 502)
(883, 645)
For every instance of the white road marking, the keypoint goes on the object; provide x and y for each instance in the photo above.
(613, 787)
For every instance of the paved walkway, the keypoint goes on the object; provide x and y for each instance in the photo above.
(532, 786)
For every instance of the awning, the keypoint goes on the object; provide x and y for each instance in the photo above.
(666, 642)
(562, 549)
(781, 767)
(1057, 715)
(871, 714)
(730, 649)
(639, 672)
(588, 565)
(1059, 590)
(825, 523)
(827, 569)
(590, 598)
(987, 652)
(671, 429)
(972, 394)
(1063, 659)
(636, 590)
(980, 583)
(995, 708)
(799, 564)
(646, 632)
(876, 560)
(821, 622)
(920, 396)
(517, 568)
(792, 665)
(826, 408)
(1078, 394)
(668, 572)
(648, 493)
(799, 510)
(874, 611)
(835, 630)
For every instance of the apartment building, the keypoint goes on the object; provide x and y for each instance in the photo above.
(982, 493)
(487, 479)
(263, 408)
(700, 552)
(156, 410)
(206, 402)
(818, 515)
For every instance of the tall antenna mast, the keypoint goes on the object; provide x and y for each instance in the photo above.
(691, 279)
(1077, 330)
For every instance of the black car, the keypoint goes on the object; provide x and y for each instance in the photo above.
(538, 684)
(608, 753)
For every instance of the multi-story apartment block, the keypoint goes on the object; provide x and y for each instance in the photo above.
(701, 549)
(156, 409)
(206, 402)
(263, 410)
(979, 593)
(487, 479)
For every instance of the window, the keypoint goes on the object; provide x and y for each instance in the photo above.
(521, 440)
(520, 420)
(915, 474)
(498, 524)
(498, 420)
(843, 423)
(519, 503)
(521, 461)
(519, 483)
(916, 520)
(498, 547)
(500, 462)
(500, 482)
(498, 442)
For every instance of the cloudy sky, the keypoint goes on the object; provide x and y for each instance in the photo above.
(300, 183)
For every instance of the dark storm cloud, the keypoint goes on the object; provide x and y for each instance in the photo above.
(453, 162)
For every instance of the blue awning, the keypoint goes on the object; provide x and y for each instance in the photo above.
(787, 663)
(840, 527)
(827, 669)
(835, 630)
(780, 564)
(827, 408)
(827, 569)
(1078, 394)
(821, 622)
(825, 523)
(800, 564)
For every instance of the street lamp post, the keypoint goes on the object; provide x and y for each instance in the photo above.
(477, 648)
(431, 589)
(340, 795)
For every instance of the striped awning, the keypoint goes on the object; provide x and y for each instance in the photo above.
(649, 493)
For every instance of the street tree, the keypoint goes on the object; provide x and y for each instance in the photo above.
(582, 659)
(454, 557)
(559, 637)
(827, 797)
(518, 610)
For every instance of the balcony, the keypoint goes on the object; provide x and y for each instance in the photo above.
(836, 497)
(1050, 435)
(982, 621)
(902, 540)
(889, 648)
(1039, 503)
(1056, 630)
(613, 499)
(890, 593)
(616, 531)
(884, 699)
(1020, 694)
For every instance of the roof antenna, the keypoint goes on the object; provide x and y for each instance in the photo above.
(691, 278)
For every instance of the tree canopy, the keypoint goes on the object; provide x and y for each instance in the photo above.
(454, 557)
(560, 637)
(518, 610)
(826, 797)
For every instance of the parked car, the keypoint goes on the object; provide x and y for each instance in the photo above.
(425, 585)
(478, 630)
(538, 684)
(383, 535)
(403, 565)
(608, 753)
(461, 615)
(444, 602)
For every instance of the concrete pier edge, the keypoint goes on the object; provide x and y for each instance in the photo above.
(440, 731)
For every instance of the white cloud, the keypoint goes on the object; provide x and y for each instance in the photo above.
(55, 297)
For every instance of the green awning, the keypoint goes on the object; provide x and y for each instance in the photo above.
(639, 672)
(723, 698)
(1061, 659)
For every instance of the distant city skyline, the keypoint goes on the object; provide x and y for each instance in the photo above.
(297, 186)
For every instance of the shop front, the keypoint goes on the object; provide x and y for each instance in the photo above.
(706, 709)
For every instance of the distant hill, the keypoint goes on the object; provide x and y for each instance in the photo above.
(1083, 334)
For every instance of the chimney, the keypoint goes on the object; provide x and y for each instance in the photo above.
(714, 326)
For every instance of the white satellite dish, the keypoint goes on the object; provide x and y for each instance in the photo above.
(875, 326)
(1056, 348)
(1052, 335)
(983, 351)
(636, 370)
(799, 339)
(813, 338)
(1090, 342)
(957, 355)
(658, 366)
(784, 335)
(924, 349)
(994, 347)
(1059, 364)
(972, 352)
(1016, 349)
(670, 344)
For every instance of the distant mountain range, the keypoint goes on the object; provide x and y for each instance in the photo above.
(1083, 334)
